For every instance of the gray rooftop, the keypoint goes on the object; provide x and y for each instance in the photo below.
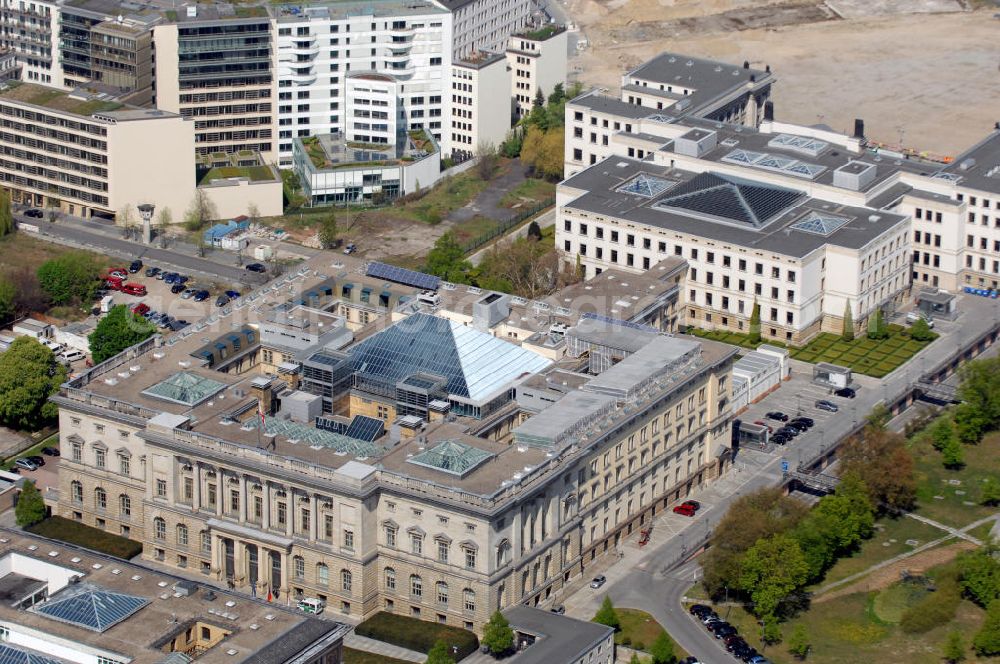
(979, 166)
(660, 355)
(549, 427)
(557, 638)
(856, 226)
(611, 105)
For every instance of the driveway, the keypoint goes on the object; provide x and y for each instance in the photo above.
(487, 203)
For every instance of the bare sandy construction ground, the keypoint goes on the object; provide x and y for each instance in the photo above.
(923, 70)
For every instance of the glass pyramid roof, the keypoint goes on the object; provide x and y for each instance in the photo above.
(648, 186)
(91, 607)
(185, 387)
(730, 198)
(15, 655)
(474, 364)
(819, 223)
(309, 435)
(452, 457)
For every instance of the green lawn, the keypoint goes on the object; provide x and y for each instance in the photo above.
(74, 532)
(862, 355)
(943, 501)
(881, 547)
(352, 656)
(532, 190)
(254, 173)
(639, 630)
(34, 450)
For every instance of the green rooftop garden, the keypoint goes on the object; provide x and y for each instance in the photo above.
(541, 34)
(253, 173)
(422, 141)
(57, 100)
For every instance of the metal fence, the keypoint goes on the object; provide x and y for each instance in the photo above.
(502, 226)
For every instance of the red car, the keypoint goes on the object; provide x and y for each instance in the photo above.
(134, 289)
(140, 308)
(684, 510)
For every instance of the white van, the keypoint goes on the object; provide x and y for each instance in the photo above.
(311, 605)
(71, 355)
(914, 316)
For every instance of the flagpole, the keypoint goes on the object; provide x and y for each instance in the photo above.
(260, 411)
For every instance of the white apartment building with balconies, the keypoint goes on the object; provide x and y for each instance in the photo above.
(485, 25)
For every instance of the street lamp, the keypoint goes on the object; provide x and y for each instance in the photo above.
(146, 212)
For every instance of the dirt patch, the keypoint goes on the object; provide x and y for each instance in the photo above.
(886, 576)
(901, 72)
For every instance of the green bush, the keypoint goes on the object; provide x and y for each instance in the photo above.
(938, 608)
(416, 634)
(74, 532)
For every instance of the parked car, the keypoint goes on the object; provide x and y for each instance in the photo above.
(134, 289)
(684, 509)
(780, 438)
(72, 355)
(256, 267)
(777, 415)
(700, 610)
(181, 278)
(807, 421)
(170, 277)
(152, 271)
(222, 300)
(914, 316)
(598, 581)
(846, 392)
(36, 459)
(176, 288)
(693, 504)
(118, 272)
(26, 464)
(350, 248)
(177, 325)
(232, 295)
(135, 266)
(791, 432)
(201, 296)
(828, 406)
(140, 308)
(161, 275)
(50, 451)
(34, 213)
(558, 610)
(188, 292)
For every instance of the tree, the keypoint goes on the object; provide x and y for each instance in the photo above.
(497, 634)
(30, 505)
(772, 569)
(606, 615)
(987, 640)
(979, 392)
(755, 322)
(879, 417)
(126, 219)
(118, 330)
(952, 455)
(523, 267)
(558, 95)
(447, 260)
(772, 630)
(8, 300)
(750, 518)
(6, 216)
(489, 160)
(163, 220)
(534, 231)
(29, 375)
(846, 515)
(798, 642)
(201, 211)
(439, 654)
(954, 648)
(942, 433)
(921, 331)
(876, 325)
(29, 296)
(662, 650)
(989, 492)
(71, 277)
(539, 99)
(327, 233)
(979, 575)
(848, 333)
(883, 462)
(253, 212)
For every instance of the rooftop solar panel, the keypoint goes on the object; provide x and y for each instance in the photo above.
(403, 276)
(365, 428)
(330, 424)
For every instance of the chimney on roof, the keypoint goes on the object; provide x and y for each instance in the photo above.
(746, 64)
(767, 68)
(859, 128)
(768, 111)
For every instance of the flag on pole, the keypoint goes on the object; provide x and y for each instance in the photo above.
(260, 411)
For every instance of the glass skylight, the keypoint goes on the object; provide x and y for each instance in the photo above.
(820, 223)
(14, 655)
(803, 144)
(90, 607)
(451, 457)
(185, 388)
(645, 185)
(772, 162)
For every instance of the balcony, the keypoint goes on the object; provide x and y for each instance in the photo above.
(300, 47)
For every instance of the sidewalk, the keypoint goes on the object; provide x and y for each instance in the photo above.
(356, 642)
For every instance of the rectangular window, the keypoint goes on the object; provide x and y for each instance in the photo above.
(100, 456)
(349, 539)
(442, 551)
(470, 558)
(282, 513)
(416, 544)
(124, 466)
(161, 488)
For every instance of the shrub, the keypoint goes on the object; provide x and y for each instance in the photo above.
(937, 608)
(74, 532)
(416, 634)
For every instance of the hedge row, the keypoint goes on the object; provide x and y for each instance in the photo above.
(416, 634)
(74, 532)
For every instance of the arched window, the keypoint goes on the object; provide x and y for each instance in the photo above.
(124, 505)
(390, 579)
(159, 528)
(299, 568)
(346, 580)
(100, 498)
(442, 592)
(416, 586)
(503, 553)
(322, 574)
(469, 599)
(182, 535)
(77, 491)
